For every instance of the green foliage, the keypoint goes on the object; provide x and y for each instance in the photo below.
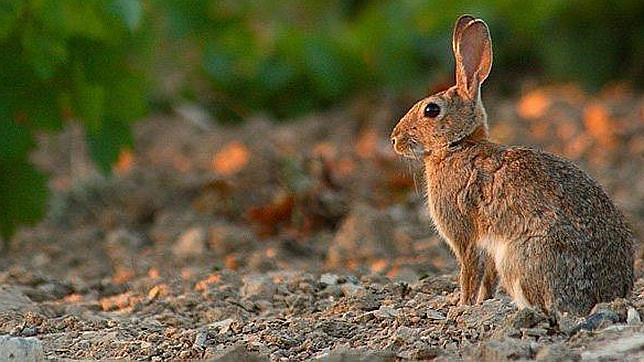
(291, 56)
(80, 60)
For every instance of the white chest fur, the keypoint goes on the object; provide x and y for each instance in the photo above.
(497, 248)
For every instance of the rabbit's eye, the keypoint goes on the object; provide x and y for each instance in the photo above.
(432, 110)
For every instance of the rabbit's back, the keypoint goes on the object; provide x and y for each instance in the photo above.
(565, 245)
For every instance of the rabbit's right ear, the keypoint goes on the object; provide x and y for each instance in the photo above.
(473, 53)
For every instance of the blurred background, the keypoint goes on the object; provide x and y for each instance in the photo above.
(252, 135)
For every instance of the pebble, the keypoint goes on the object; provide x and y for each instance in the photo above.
(633, 317)
(191, 244)
(200, 340)
(21, 349)
(352, 290)
(385, 312)
(435, 315)
(328, 279)
(257, 286)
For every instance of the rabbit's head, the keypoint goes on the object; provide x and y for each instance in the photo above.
(444, 119)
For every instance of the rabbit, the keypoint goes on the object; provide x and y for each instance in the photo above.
(534, 222)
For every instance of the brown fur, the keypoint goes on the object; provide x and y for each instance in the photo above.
(536, 221)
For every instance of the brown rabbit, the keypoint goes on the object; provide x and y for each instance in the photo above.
(548, 230)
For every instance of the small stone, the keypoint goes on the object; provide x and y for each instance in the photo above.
(633, 317)
(191, 244)
(328, 279)
(238, 353)
(257, 286)
(557, 353)
(503, 350)
(385, 312)
(200, 340)
(618, 306)
(534, 332)
(352, 290)
(406, 275)
(405, 334)
(223, 326)
(29, 331)
(21, 349)
(368, 302)
(346, 355)
(526, 318)
(434, 314)
(597, 320)
(616, 350)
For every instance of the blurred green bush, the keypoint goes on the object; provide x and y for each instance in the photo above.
(291, 56)
(63, 60)
(100, 63)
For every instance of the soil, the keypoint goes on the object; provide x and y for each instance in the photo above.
(300, 240)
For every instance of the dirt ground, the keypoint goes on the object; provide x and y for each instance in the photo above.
(300, 240)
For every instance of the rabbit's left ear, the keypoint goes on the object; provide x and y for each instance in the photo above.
(473, 53)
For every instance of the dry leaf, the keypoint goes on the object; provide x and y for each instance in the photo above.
(158, 290)
(268, 217)
(125, 162)
(599, 125)
(122, 275)
(231, 261)
(205, 283)
(367, 143)
(231, 159)
(379, 265)
(119, 301)
(533, 105)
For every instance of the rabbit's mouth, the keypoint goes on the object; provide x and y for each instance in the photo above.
(409, 148)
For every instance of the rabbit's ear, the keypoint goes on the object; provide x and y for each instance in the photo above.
(473, 55)
(461, 23)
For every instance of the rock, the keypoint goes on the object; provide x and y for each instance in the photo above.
(200, 340)
(21, 349)
(385, 312)
(534, 332)
(351, 290)
(328, 279)
(48, 291)
(367, 302)
(436, 285)
(345, 355)
(405, 334)
(257, 286)
(191, 244)
(222, 326)
(125, 238)
(237, 353)
(625, 348)
(365, 235)
(434, 314)
(11, 298)
(557, 353)
(597, 320)
(618, 306)
(633, 317)
(503, 350)
(225, 239)
(406, 275)
(526, 318)
(422, 352)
